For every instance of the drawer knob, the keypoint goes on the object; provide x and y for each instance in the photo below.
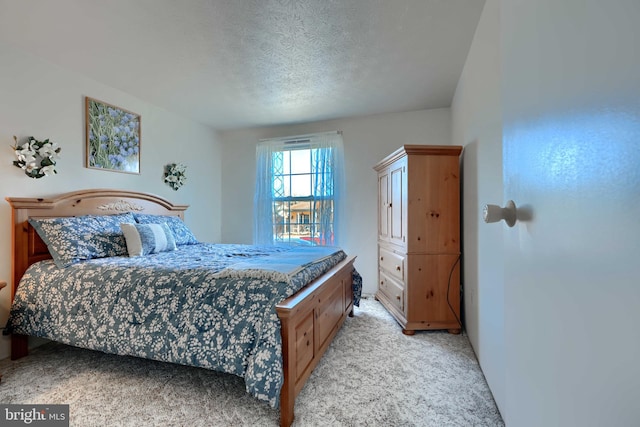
(398, 297)
(381, 258)
(398, 267)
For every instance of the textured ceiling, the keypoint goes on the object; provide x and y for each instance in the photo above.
(243, 63)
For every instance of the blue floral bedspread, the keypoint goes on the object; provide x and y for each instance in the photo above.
(187, 306)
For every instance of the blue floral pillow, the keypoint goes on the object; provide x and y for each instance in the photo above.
(181, 232)
(79, 238)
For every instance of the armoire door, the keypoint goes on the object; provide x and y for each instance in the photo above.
(397, 175)
(383, 205)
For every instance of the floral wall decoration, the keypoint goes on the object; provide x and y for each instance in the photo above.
(113, 137)
(175, 175)
(36, 158)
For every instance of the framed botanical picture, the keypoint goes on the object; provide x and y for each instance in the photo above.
(113, 137)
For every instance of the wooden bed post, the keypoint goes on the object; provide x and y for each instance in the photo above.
(288, 391)
(19, 346)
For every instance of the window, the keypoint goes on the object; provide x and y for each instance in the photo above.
(298, 184)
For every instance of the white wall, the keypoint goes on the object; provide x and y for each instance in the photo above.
(45, 101)
(366, 139)
(477, 125)
(571, 114)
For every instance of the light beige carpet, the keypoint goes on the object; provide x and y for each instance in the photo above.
(372, 375)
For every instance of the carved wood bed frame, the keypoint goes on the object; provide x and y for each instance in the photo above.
(310, 318)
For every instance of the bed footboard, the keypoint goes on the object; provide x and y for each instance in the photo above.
(310, 320)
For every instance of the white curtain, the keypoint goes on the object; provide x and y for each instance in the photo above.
(327, 170)
(263, 197)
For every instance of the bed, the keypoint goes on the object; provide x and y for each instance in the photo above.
(266, 314)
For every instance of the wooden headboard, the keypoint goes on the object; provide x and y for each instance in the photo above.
(26, 245)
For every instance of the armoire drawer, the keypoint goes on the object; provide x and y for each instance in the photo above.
(392, 289)
(392, 262)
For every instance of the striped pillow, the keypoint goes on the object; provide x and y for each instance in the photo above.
(145, 239)
(181, 232)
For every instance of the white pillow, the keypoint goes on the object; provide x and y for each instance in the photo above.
(145, 239)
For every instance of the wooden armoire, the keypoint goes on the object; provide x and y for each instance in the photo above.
(419, 237)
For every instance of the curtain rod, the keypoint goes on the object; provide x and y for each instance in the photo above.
(297, 137)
